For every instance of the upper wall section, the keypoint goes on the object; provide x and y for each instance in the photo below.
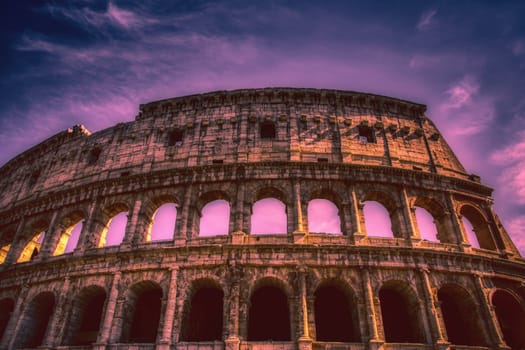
(253, 125)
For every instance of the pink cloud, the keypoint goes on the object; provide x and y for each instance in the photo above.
(512, 177)
(516, 227)
(113, 16)
(465, 111)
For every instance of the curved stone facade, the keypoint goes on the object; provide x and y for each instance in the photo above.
(243, 291)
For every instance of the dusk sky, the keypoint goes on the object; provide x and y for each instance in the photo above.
(93, 62)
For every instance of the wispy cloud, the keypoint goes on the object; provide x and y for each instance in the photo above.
(426, 20)
(512, 159)
(112, 16)
(515, 228)
(465, 109)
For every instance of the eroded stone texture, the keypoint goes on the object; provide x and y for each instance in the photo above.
(241, 146)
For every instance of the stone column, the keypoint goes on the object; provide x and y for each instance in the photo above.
(16, 247)
(304, 341)
(165, 341)
(233, 340)
(107, 320)
(489, 316)
(52, 334)
(346, 217)
(51, 238)
(493, 228)
(183, 288)
(87, 235)
(10, 331)
(238, 214)
(407, 216)
(455, 223)
(130, 237)
(375, 341)
(185, 215)
(355, 217)
(300, 225)
(433, 313)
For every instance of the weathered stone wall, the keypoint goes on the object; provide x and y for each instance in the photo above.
(193, 150)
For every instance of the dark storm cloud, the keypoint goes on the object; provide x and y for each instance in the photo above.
(94, 62)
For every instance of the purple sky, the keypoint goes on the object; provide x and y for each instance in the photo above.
(94, 62)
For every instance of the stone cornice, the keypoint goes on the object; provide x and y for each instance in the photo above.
(284, 95)
(160, 258)
(350, 173)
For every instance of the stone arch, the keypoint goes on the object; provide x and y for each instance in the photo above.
(166, 203)
(202, 318)
(115, 219)
(30, 244)
(85, 316)
(214, 208)
(437, 211)
(269, 199)
(480, 226)
(69, 230)
(461, 316)
(385, 213)
(330, 217)
(7, 306)
(163, 223)
(143, 311)
(7, 235)
(34, 322)
(335, 312)
(400, 313)
(510, 313)
(269, 316)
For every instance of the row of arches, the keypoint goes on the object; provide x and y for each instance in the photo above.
(161, 219)
(335, 307)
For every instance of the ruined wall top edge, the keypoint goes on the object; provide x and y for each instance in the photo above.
(238, 127)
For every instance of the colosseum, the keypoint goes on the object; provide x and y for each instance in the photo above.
(246, 181)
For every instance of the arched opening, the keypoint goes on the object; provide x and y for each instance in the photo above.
(215, 219)
(323, 216)
(32, 248)
(461, 316)
(3, 252)
(269, 315)
(163, 225)
(480, 227)
(400, 314)
(85, 318)
(425, 223)
(143, 316)
(69, 238)
(203, 315)
(175, 137)
(35, 319)
(267, 130)
(511, 318)
(269, 217)
(115, 230)
(335, 315)
(7, 306)
(377, 220)
(469, 231)
(366, 134)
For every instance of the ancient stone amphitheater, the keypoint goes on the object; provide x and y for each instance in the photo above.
(70, 280)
